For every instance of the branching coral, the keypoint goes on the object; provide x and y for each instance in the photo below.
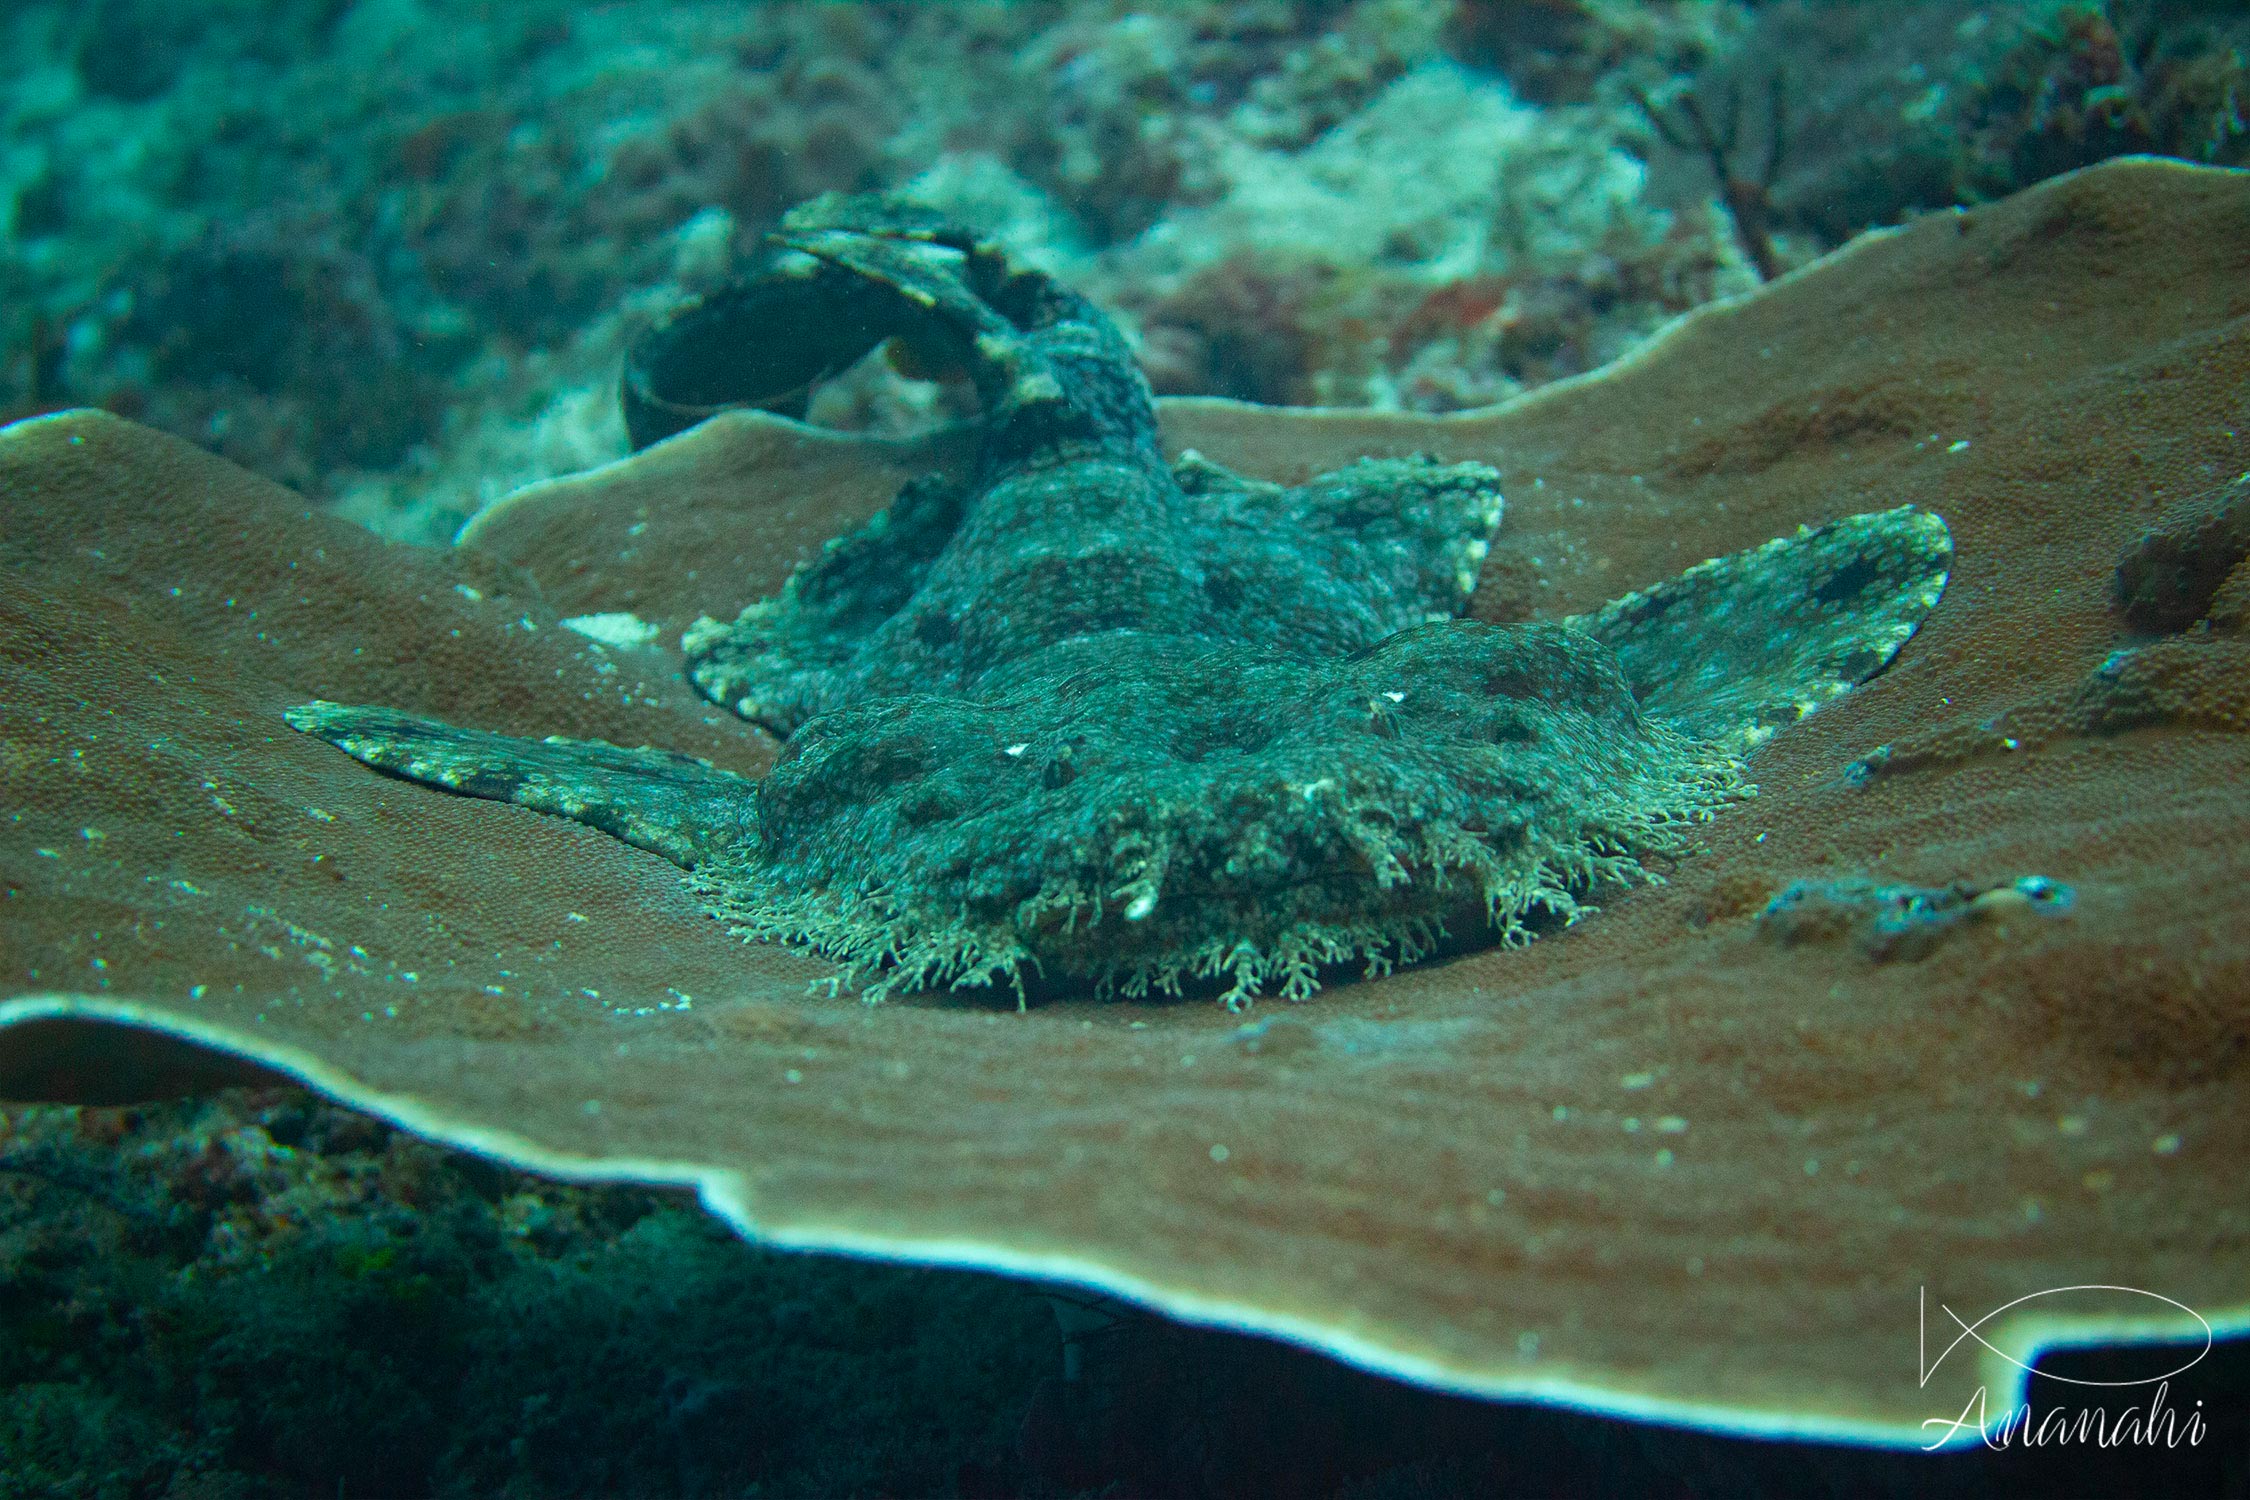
(1687, 126)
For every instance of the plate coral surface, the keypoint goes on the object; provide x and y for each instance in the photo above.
(1959, 1002)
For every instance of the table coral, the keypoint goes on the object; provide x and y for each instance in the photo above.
(1118, 721)
(1652, 1166)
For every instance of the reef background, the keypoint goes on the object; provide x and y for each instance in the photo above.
(388, 253)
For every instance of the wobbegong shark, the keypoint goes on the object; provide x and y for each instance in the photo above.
(1129, 724)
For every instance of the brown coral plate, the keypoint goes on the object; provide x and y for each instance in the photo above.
(1664, 1163)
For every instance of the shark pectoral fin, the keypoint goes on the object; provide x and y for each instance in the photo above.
(1741, 646)
(669, 804)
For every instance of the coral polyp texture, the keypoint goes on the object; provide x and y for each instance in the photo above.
(1107, 719)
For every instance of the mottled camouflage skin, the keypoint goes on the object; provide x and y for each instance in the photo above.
(1134, 725)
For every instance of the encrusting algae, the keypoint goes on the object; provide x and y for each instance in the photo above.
(1136, 723)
